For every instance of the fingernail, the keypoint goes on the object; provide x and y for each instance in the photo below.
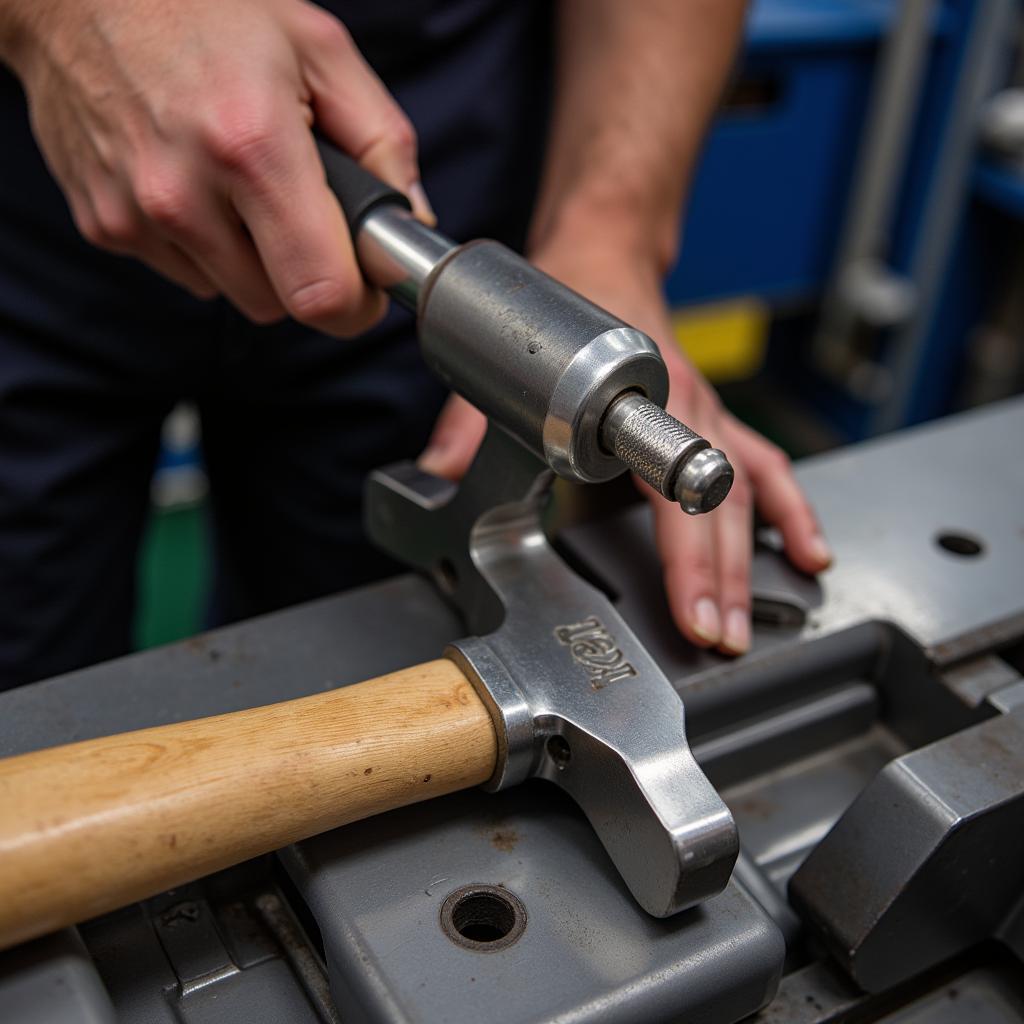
(737, 631)
(432, 460)
(706, 623)
(821, 551)
(421, 205)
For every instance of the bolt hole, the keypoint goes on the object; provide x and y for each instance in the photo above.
(559, 752)
(959, 544)
(447, 576)
(483, 918)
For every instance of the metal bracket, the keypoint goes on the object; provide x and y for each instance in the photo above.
(927, 861)
(575, 697)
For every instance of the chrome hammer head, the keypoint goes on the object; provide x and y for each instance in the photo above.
(574, 696)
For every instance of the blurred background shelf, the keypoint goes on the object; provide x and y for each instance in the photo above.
(1000, 185)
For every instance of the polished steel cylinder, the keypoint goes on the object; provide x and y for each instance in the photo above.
(398, 253)
(537, 358)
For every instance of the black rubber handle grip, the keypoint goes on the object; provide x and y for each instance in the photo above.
(357, 189)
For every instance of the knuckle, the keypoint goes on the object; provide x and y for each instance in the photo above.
(325, 30)
(241, 137)
(697, 568)
(116, 228)
(165, 201)
(735, 581)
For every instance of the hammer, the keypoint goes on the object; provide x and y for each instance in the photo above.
(552, 684)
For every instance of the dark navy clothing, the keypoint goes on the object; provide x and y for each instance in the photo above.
(95, 349)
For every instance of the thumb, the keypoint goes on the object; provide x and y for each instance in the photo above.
(352, 106)
(457, 435)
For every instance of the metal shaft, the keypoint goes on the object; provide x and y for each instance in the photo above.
(571, 382)
(398, 253)
(675, 461)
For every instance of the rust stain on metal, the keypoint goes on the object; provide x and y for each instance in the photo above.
(504, 839)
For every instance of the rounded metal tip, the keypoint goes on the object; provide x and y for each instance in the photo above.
(703, 482)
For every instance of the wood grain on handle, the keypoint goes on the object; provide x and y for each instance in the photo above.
(96, 825)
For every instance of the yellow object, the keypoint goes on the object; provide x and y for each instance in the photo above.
(725, 341)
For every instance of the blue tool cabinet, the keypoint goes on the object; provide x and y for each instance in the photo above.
(768, 198)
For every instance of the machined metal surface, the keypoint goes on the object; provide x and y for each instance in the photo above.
(574, 697)
(587, 954)
(675, 461)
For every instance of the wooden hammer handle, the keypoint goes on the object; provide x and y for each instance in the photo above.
(93, 826)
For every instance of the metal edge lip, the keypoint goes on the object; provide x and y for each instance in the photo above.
(615, 349)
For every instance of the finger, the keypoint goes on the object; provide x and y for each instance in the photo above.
(226, 255)
(275, 181)
(194, 220)
(780, 500)
(733, 526)
(355, 110)
(167, 259)
(115, 222)
(686, 547)
(455, 439)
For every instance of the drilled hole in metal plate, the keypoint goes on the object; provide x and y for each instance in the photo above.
(959, 544)
(559, 751)
(483, 918)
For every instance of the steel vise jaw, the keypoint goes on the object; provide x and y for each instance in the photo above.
(574, 696)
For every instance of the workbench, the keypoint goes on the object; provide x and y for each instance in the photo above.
(914, 638)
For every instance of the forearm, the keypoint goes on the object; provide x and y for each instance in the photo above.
(636, 86)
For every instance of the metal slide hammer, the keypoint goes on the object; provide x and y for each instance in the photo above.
(554, 684)
(574, 384)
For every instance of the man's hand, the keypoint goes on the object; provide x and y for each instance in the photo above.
(180, 134)
(637, 84)
(706, 559)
